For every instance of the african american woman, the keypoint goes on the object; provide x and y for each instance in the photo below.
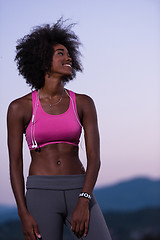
(59, 189)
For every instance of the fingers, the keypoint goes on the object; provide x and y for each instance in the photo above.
(76, 229)
(80, 229)
(30, 227)
(73, 226)
(86, 228)
(30, 236)
(33, 234)
(36, 232)
(80, 220)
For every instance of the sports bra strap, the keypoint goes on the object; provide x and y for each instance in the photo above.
(72, 97)
(34, 98)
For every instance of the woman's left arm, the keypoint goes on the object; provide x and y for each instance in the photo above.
(80, 217)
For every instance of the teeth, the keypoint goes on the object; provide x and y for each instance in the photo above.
(67, 65)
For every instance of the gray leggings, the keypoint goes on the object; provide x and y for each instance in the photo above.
(51, 201)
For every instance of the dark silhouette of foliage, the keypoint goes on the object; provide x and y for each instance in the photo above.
(151, 237)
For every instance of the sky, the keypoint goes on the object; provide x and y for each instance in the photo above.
(121, 58)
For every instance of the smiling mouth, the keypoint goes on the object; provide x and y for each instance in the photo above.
(67, 65)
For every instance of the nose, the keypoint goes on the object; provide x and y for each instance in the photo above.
(68, 58)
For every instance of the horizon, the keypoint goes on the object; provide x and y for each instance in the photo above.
(152, 179)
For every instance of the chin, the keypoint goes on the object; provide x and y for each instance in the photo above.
(69, 74)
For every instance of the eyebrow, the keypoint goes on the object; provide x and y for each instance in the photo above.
(60, 49)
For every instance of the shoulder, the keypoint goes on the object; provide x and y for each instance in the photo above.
(87, 108)
(20, 105)
(83, 98)
(85, 105)
(84, 101)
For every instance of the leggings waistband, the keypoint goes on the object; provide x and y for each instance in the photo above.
(55, 182)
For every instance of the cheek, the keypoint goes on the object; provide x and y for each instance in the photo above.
(54, 64)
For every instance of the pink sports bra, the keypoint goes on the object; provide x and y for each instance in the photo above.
(45, 128)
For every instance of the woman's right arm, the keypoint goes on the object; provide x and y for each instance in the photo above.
(15, 125)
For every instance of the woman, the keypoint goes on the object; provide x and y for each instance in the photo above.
(59, 190)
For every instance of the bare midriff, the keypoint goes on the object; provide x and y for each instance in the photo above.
(56, 159)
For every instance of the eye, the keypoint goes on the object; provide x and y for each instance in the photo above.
(60, 53)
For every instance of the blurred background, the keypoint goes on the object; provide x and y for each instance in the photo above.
(121, 58)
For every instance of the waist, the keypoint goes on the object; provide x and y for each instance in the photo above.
(60, 159)
(55, 182)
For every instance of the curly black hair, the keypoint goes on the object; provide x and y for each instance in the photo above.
(34, 52)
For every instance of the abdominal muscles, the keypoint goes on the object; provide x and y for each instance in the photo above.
(56, 159)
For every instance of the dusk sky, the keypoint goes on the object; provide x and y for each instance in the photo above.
(121, 60)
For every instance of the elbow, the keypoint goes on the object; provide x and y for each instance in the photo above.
(94, 164)
(15, 165)
(98, 165)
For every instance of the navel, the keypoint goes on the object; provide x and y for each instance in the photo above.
(58, 162)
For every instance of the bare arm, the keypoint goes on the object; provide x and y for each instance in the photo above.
(80, 217)
(15, 141)
(92, 142)
(15, 125)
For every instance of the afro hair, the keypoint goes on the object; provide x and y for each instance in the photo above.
(34, 52)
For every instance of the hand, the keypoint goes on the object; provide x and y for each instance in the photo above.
(29, 227)
(80, 218)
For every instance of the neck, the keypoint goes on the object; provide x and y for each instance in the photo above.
(52, 87)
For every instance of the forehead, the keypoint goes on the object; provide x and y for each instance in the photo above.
(60, 46)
